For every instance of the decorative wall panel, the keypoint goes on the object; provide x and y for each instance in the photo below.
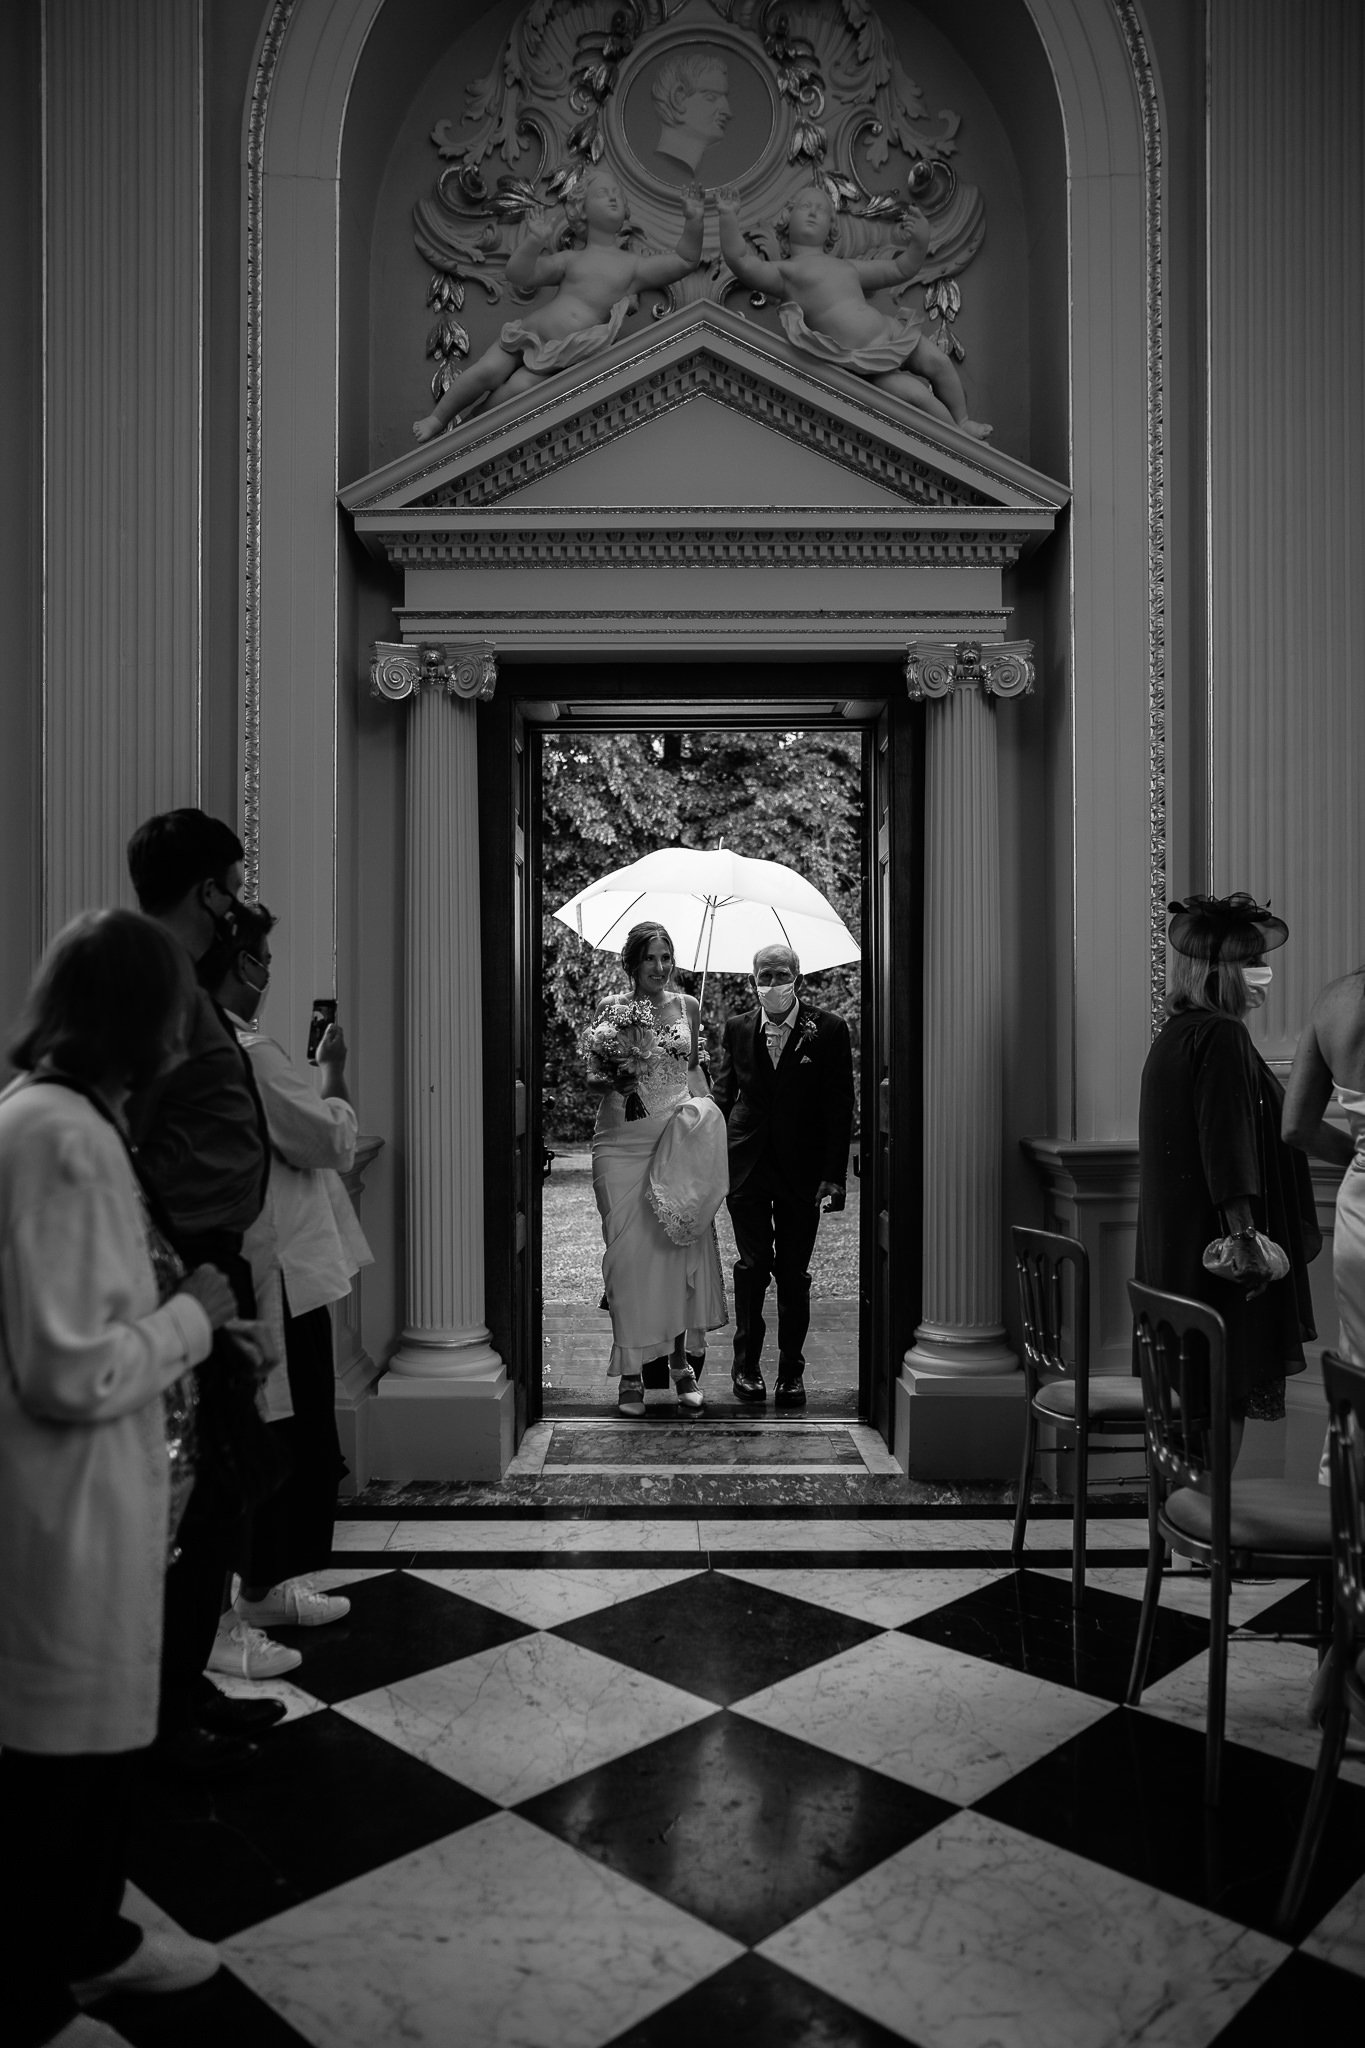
(122, 417)
(1286, 459)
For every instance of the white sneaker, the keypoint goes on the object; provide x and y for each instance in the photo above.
(295, 1604)
(241, 1651)
(162, 1961)
(85, 2032)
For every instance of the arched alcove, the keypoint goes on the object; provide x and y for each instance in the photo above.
(1074, 105)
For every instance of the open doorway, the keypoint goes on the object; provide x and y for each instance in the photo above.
(884, 732)
(606, 798)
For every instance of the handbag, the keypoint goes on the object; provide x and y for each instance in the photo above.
(1271, 1262)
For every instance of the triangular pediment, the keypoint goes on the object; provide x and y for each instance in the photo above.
(705, 421)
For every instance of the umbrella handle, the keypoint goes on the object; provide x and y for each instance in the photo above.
(706, 964)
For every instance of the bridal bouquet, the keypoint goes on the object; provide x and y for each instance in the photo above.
(621, 1042)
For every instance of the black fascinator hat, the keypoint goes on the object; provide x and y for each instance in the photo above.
(1234, 928)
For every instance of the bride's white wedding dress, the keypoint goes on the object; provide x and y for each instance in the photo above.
(658, 1177)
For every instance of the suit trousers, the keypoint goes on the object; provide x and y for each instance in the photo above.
(68, 1822)
(290, 1532)
(774, 1238)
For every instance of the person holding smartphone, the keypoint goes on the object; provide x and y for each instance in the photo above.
(304, 1256)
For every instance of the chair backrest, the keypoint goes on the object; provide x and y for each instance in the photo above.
(1041, 1260)
(1182, 1356)
(1345, 1388)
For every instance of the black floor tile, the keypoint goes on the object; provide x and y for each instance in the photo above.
(223, 2013)
(716, 1636)
(1127, 1793)
(753, 2002)
(1305, 2004)
(1294, 1614)
(323, 1802)
(739, 1824)
(398, 1625)
(1027, 1622)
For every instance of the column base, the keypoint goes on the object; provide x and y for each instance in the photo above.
(955, 1428)
(441, 1428)
(980, 1353)
(425, 1353)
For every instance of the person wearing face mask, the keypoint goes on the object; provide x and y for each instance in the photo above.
(304, 1251)
(200, 1133)
(784, 1083)
(1211, 1161)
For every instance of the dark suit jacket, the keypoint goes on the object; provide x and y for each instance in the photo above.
(796, 1120)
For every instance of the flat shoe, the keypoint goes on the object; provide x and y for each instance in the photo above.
(790, 1393)
(690, 1397)
(84, 2031)
(293, 1605)
(749, 1386)
(162, 1961)
(241, 1651)
(630, 1395)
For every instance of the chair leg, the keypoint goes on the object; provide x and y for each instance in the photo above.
(1218, 1681)
(1078, 1508)
(1025, 1485)
(1151, 1595)
(1319, 1800)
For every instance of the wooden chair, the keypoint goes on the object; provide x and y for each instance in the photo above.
(1251, 1528)
(1345, 1387)
(1058, 1388)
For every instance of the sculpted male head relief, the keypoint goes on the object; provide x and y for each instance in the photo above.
(691, 98)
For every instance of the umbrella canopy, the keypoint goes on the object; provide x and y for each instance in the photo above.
(717, 907)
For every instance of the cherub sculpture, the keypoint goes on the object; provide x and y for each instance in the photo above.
(596, 283)
(825, 311)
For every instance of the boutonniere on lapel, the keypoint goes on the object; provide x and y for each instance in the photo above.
(807, 1030)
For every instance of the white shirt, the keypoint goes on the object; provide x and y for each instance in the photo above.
(777, 1030)
(307, 1233)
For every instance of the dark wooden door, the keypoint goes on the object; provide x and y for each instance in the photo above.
(526, 1134)
(889, 1118)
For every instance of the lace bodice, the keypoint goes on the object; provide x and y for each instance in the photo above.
(663, 1084)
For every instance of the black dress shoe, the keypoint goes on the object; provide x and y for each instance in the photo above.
(246, 1718)
(196, 1752)
(791, 1391)
(749, 1384)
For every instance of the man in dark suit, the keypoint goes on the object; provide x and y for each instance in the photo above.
(784, 1083)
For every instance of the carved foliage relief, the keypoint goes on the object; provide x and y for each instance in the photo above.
(762, 96)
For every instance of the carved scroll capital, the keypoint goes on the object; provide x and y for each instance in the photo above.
(935, 668)
(398, 671)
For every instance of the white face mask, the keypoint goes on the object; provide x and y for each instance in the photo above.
(1258, 977)
(777, 1001)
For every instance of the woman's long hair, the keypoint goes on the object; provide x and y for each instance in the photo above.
(638, 940)
(108, 1002)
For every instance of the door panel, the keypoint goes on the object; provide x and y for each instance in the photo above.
(526, 1144)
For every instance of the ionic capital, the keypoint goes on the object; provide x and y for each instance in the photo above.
(935, 668)
(398, 670)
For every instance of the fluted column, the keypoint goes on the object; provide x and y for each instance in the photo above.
(444, 1335)
(123, 101)
(962, 1333)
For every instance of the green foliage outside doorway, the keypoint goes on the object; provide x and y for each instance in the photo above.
(610, 798)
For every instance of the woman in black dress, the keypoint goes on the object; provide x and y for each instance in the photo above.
(1210, 1159)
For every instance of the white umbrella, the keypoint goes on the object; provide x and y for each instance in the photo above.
(717, 907)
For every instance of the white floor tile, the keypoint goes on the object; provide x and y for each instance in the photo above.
(977, 1936)
(498, 1934)
(1183, 1592)
(362, 1535)
(872, 1450)
(338, 1576)
(1268, 1688)
(953, 1725)
(507, 1534)
(853, 1534)
(884, 1598)
(1122, 1533)
(515, 1720)
(529, 1462)
(1340, 1937)
(542, 1598)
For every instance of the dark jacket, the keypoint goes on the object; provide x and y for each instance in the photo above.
(795, 1121)
(1208, 1130)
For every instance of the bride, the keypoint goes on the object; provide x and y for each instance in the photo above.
(659, 1173)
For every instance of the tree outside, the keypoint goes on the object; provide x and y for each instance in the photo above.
(610, 798)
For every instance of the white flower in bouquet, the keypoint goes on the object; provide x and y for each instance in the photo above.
(621, 1042)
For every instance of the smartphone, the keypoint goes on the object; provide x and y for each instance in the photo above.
(324, 1013)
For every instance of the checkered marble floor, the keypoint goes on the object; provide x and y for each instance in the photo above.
(813, 1784)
